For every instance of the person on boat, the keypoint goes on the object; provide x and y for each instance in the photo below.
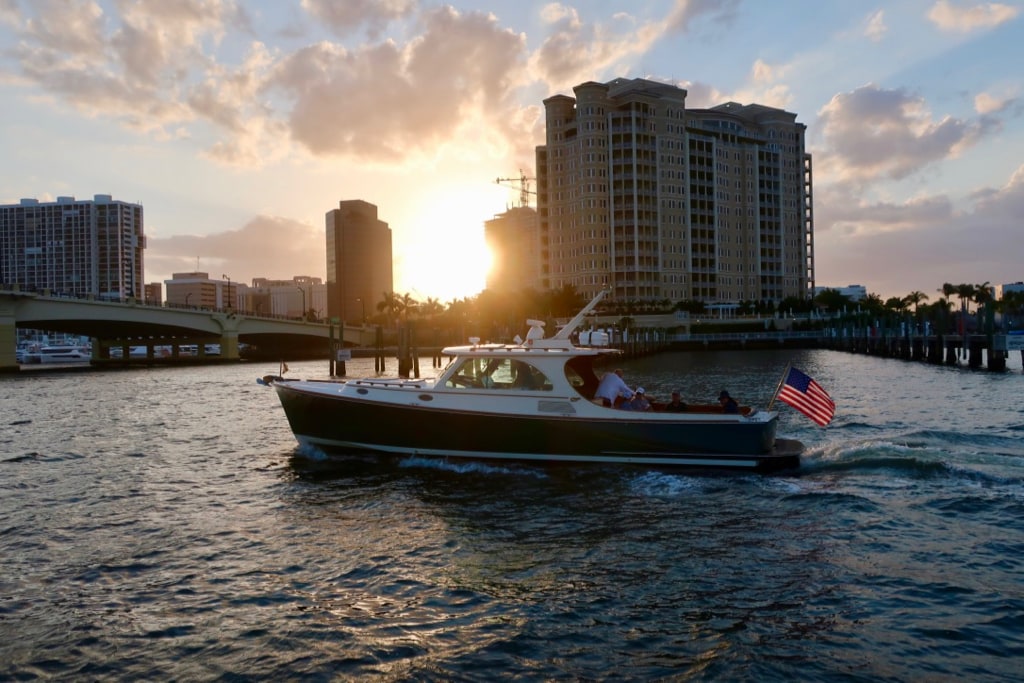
(611, 387)
(676, 405)
(639, 401)
(728, 403)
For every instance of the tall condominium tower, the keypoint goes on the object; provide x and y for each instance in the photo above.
(511, 238)
(74, 246)
(637, 193)
(359, 261)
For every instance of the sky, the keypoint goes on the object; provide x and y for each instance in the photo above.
(238, 124)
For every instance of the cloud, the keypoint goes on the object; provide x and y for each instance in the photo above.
(575, 51)
(991, 103)
(876, 29)
(266, 246)
(388, 102)
(873, 132)
(133, 67)
(10, 13)
(685, 12)
(919, 243)
(948, 17)
(77, 32)
(345, 17)
(699, 95)
(843, 209)
(154, 68)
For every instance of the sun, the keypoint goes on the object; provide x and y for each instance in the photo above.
(445, 268)
(443, 255)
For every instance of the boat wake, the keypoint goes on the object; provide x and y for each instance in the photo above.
(467, 467)
(311, 452)
(919, 456)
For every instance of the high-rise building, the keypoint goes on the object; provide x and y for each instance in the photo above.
(512, 240)
(359, 261)
(74, 246)
(637, 193)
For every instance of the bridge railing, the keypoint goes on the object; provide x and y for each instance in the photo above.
(131, 301)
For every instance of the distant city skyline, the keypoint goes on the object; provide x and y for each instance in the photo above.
(238, 126)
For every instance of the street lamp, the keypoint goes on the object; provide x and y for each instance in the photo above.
(363, 304)
(187, 297)
(303, 292)
(229, 290)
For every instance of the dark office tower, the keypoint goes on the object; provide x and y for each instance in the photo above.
(359, 270)
(74, 246)
(638, 193)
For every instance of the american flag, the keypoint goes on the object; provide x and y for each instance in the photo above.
(807, 396)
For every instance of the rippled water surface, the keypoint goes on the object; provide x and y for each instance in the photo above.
(160, 524)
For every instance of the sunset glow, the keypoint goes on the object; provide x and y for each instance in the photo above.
(445, 256)
(238, 125)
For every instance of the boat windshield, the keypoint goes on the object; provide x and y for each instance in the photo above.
(498, 373)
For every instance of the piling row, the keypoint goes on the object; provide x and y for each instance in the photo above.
(976, 349)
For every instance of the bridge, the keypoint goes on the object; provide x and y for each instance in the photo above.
(114, 324)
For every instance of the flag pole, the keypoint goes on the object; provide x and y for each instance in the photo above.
(778, 387)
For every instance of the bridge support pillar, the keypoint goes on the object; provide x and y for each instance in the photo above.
(8, 340)
(228, 344)
(228, 335)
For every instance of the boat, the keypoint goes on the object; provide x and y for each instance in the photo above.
(60, 354)
(530, 400)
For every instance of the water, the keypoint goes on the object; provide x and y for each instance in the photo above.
(157, 525)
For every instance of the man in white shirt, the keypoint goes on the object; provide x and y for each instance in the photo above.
(611, 387)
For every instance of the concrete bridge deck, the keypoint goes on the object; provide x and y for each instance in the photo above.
(132, 323)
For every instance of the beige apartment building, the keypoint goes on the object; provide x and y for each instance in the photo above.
(659, 202)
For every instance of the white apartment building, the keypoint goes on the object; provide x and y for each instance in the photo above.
(638, 193)
(74, 246)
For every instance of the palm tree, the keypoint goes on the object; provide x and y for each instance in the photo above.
(396, 304)
(896, 304)
(915, 298)
(872, 303)
(431, 306)
(984, 297)
(966, 293)
(408, 304)
(389, 304)
(983, 293)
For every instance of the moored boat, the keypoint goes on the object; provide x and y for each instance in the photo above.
(60, 354)
(532, 400)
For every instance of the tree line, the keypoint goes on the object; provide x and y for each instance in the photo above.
(500, 315)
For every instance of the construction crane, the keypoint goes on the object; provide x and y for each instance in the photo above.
(523, 183)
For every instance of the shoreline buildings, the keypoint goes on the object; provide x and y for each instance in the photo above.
(80, 247)
(659, 202)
